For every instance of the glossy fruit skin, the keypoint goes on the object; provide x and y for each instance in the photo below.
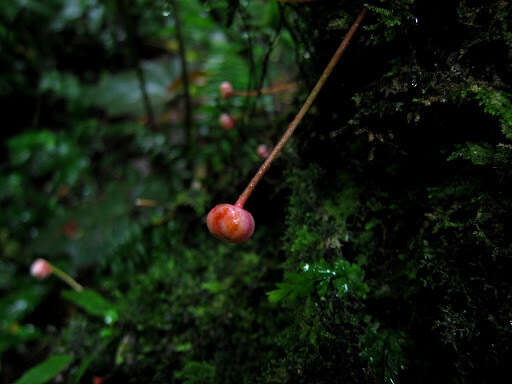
(41, 269)
(226, 122)
(230, 223)
(226, 90)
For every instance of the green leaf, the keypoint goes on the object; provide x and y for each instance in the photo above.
(346, 277)
(498, 104)
(294, 286)
(93, 303)
(277, 295)
(45, 371)
(477, 153)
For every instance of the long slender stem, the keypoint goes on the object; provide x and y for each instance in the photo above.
(145, 97)
(68, 279)
(184, 73)
(266, 91)
(244, 17)
(133, 52)
(307, 104)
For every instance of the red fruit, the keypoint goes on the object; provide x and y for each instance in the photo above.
(226, 122)
(231, 223)
(263, 151)
(97, 380)
(226, 90)
(41, 269)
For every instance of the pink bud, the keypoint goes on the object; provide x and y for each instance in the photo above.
(231, 223)
(226, 90)
(226, 122)
(41, 269)
(263, 151)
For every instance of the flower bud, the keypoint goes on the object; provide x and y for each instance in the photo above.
(41, 269)
(263, 151)
(226, 122)
(226, 90)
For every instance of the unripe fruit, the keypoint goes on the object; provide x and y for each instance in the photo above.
(231, 223)
(226, 122)
(41, 269)
(263, 151)
(226, 90)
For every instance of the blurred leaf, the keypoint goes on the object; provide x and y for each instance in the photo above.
(63, 85)
(43, 153)
(92, 230)
(45, 371)
(119, 94)
(21, 147)
(15, 334)
(93, 303)
(19, 303)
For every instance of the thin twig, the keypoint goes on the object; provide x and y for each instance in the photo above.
(68, 279)
(297, 41)
(189, 129)
(133, 52)
(267, 91)
(305, 107)
(142, 85)
(269, 52)
(250, 45)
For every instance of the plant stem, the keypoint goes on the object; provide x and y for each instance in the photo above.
(145, 97)
(68, 279)
(266, 91)
(184, 73)
(133, 52)
(302, 112)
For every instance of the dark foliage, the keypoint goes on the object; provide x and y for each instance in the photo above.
(382, 250)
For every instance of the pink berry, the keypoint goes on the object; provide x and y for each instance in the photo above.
(226, 90)
(226, 122)
(263, 151)
(40, 269)
(231, 223)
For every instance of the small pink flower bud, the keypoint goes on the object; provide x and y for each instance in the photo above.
(41, 269)
(226, 122)
(231, 223)
(263, 151)
(226, 90)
